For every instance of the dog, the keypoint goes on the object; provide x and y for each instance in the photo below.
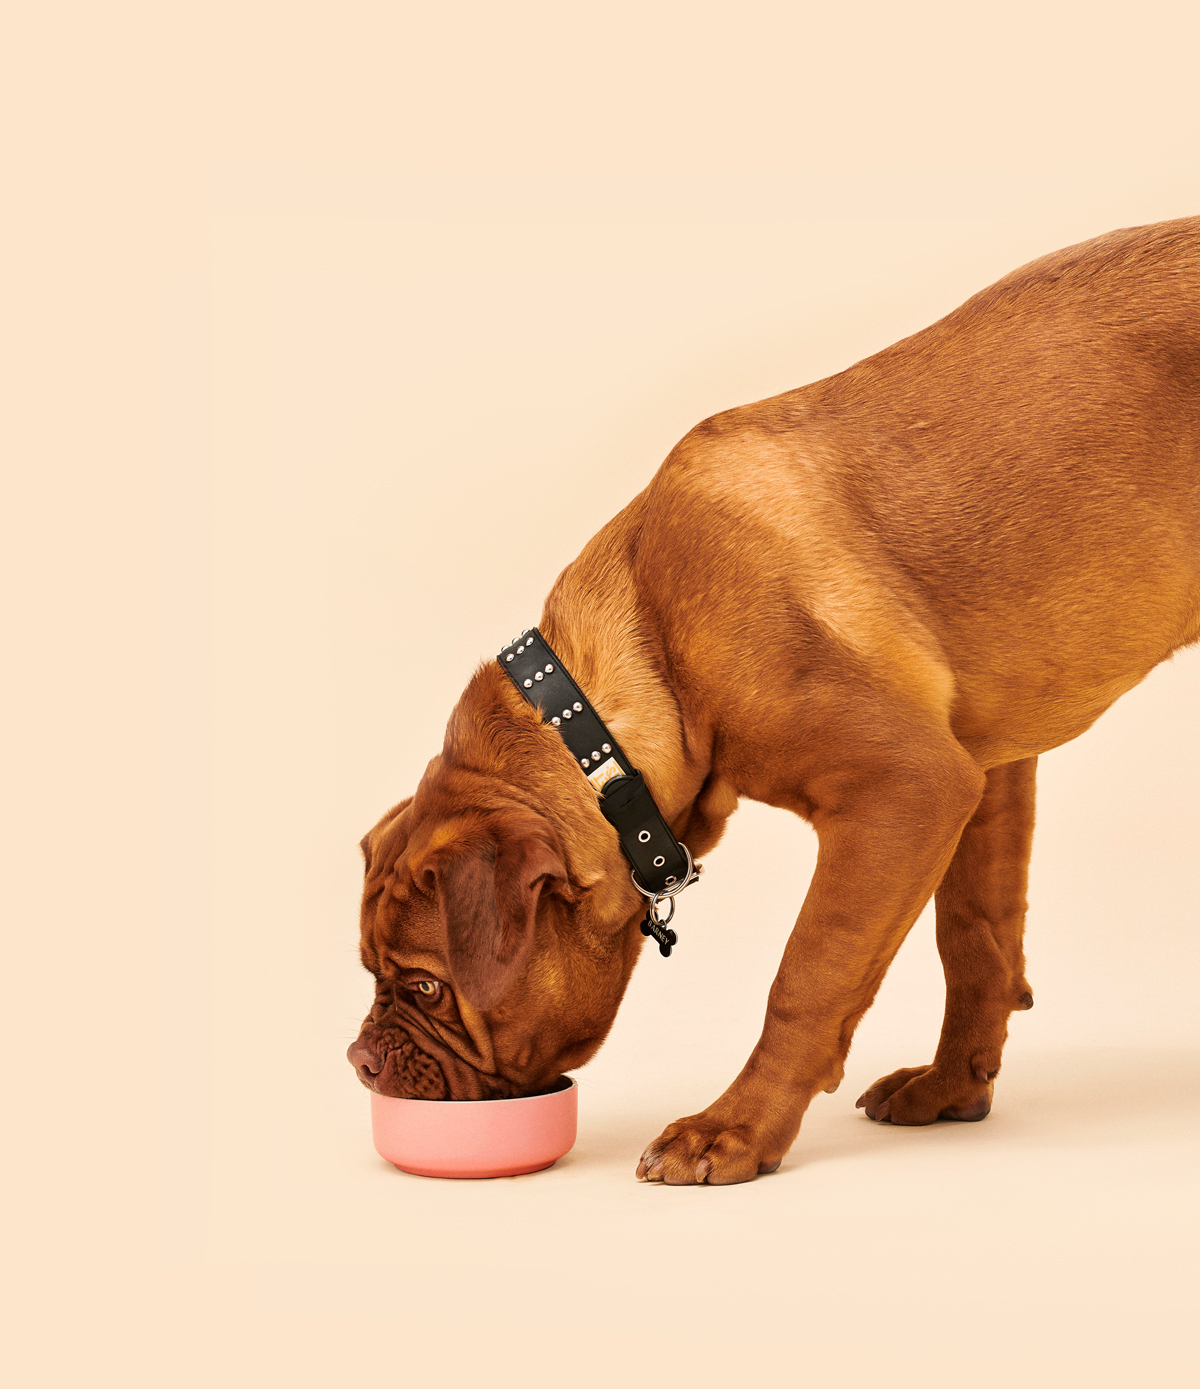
(874, 600)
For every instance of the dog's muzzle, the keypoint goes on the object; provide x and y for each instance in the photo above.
(393, 1061)
(390, 1062)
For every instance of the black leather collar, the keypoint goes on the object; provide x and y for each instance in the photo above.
(662, 866)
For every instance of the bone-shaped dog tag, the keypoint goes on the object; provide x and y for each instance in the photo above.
(665, 937)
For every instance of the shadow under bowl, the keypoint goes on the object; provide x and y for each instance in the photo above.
(476, 1138)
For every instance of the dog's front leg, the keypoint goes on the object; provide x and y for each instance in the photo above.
(887, 834)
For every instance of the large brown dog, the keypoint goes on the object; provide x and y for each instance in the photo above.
(875, 601)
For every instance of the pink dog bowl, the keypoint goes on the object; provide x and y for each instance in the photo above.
(476, 1138)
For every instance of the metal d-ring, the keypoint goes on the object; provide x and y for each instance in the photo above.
(689, 877)
(655, 907)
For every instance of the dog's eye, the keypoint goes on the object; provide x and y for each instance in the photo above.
(428, 988)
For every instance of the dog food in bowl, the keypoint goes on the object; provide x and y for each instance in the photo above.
(476, 1138)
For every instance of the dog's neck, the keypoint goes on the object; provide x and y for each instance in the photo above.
(591, 619)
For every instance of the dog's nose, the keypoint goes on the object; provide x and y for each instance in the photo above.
(364, 1058)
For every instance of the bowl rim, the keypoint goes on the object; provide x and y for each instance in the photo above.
(560, 1089)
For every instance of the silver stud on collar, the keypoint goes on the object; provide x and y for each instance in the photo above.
(556, 721)
(584, 762)
(595, 757)
(538, 675)
(577, 707)
(509, 656)
(520, 649)
(606, 747)
(528, 684)
(644, 837)
(566, 713)
(549, 670)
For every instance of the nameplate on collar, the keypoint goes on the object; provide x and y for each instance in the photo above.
(661, 865)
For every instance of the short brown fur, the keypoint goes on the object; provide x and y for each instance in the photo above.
(875, 601)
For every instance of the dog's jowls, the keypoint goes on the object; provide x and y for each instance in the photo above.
(874, 600)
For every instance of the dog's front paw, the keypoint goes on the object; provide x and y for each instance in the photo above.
(708, 1151)
(922, 1094)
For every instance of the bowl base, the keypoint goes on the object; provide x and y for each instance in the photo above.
(475, 1176)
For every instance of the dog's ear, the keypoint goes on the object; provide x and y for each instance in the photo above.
(488, 879)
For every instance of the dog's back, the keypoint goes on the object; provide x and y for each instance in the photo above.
(1022, 478)
(1083, 365)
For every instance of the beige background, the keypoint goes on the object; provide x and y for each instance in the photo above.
(338, 330)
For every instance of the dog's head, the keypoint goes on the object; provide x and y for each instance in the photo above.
(497, 919)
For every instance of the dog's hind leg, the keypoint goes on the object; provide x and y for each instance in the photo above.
(980, 922)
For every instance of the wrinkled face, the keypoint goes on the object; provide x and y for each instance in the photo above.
(421, 1040)
(471, 928)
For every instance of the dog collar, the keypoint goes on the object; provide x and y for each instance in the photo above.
(660, 866)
